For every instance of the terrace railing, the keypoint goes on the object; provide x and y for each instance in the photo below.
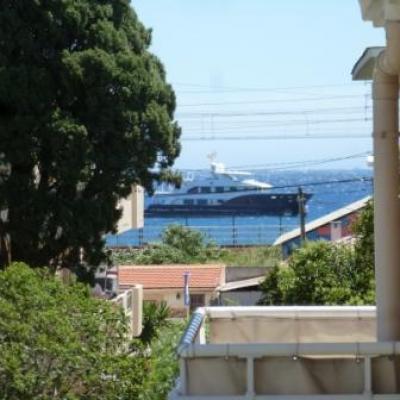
(271, 353)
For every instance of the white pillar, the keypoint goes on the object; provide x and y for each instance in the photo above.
(387, 205)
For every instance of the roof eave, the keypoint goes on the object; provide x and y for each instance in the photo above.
(363, 69)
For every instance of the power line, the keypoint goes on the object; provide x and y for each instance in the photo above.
(363, 179)
(274, 88)
(276, 123)
(319, 98)
(253, 126)
(276, 137)
(344, 110)
(296, 164)
(213, 89)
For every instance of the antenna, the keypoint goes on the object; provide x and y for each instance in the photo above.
(212, 156)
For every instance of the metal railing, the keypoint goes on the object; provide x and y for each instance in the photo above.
(224, 235)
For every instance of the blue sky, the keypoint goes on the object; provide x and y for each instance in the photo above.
(261, 69)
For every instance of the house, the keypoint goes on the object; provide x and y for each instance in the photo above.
(165, 283)
(246, 292)
(318, 352)
(242, 287)
(334, 227)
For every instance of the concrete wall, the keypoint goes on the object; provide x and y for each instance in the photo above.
(291, 330)
(242, 298)
(132, 210)
(225, 376)
(240, 273)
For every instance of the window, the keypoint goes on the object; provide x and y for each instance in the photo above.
(202, 202)
(188, 202)
(219, 189)
(129, 301)
(197, 300)
(205, 189)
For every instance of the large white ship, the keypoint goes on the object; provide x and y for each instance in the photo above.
(222, 192)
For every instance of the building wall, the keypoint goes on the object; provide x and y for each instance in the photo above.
(240, 298)
(132, 216)
(332, 230)
(241, 273)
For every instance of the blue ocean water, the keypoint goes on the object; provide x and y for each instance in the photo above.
(331, 189)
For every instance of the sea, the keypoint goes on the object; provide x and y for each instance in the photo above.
(331, 190)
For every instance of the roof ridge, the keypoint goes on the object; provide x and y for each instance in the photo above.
(177, 266)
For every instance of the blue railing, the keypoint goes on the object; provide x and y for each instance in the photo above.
(224, 235)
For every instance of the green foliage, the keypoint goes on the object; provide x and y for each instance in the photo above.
(180, 245)
(326, 273)
(155, 316)
(164, 365)
(57, 342)
(85, 112)
(180, 237)
(258, 256)
(272, 287)
(320, 273)
(363, 230)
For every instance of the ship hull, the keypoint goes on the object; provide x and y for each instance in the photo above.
(276, 204)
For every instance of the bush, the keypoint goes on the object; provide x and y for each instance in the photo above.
(57, 342)
(363, 230)
(319, 273)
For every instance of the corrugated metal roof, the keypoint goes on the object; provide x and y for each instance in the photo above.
(333, 216)
(171, 276)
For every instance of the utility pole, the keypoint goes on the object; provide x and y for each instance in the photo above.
(302, 214)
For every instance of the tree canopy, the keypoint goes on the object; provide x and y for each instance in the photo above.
(327, 273)
(58, 342)
(85, 112)
(179, 245)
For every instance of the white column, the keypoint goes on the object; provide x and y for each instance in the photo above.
(387, 205)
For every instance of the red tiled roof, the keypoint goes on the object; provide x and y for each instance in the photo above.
(171, 276)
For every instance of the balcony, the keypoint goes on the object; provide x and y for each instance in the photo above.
(271, 353)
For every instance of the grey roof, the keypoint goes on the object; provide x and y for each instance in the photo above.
(241, 284)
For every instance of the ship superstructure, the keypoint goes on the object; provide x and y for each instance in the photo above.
(222, 192)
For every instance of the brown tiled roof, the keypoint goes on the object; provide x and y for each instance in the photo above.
(171, 276)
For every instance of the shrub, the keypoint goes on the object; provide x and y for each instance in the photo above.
(319, 273)
(57, 342)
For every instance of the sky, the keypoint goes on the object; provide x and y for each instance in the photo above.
(265, 83)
